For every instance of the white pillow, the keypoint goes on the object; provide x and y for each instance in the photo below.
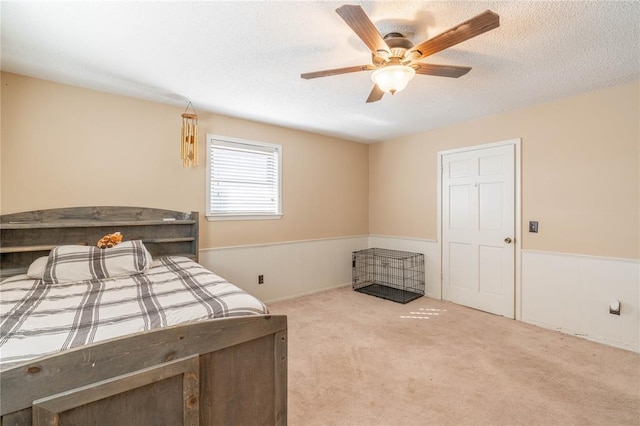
(37, 267)
(78, 263)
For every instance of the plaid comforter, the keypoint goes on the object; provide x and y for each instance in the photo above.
(38, 318)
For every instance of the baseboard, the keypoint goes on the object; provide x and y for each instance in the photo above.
(576, 333)
(309, 293)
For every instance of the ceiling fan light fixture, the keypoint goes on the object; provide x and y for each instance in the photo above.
(393, 78)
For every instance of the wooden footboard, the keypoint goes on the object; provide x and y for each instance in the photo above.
(230, 371)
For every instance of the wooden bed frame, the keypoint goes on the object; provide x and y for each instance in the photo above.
(230, 371)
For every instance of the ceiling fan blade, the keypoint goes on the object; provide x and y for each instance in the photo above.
(336, 71)
(360, 23)
(375, 95)
(441, 70)
(484, 22)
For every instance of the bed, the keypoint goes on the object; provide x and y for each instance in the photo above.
(102, 353)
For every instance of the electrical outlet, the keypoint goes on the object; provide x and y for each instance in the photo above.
(614, 307)
(533, 226)
(260, 279)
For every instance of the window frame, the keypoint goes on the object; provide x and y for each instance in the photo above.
(220, 140)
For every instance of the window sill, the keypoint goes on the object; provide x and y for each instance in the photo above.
(215, 218)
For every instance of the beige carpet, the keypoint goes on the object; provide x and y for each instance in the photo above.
(359, 360)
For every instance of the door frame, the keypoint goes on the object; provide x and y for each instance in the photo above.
(517, 210)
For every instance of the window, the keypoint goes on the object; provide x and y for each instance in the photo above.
(243, 179)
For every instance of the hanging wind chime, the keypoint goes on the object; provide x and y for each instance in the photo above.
(189, 137)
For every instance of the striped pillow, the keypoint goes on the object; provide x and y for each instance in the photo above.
(77, 263)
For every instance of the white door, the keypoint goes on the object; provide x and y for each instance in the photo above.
(478, 229)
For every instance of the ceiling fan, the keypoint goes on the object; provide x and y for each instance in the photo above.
(395, 58)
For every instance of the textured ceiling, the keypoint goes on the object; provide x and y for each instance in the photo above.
(244, 59)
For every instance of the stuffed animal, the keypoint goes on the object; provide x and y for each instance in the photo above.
(109, 240)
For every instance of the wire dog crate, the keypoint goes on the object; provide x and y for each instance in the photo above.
(389, 274)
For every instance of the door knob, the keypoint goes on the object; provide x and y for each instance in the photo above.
(507, 240)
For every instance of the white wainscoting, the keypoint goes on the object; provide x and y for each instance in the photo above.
(564, 292)
(431, 251)
(571, 293)
(290, 269)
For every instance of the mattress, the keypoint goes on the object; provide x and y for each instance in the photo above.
(38, 318)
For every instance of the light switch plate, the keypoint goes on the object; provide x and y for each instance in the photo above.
(533, 226)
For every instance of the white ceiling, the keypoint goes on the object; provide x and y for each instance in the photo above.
(244, 59)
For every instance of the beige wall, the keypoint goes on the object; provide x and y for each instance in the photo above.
(67, 146)
(580, 173)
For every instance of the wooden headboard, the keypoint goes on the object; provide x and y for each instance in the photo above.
(26, 236)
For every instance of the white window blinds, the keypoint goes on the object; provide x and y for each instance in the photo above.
(244, 178)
